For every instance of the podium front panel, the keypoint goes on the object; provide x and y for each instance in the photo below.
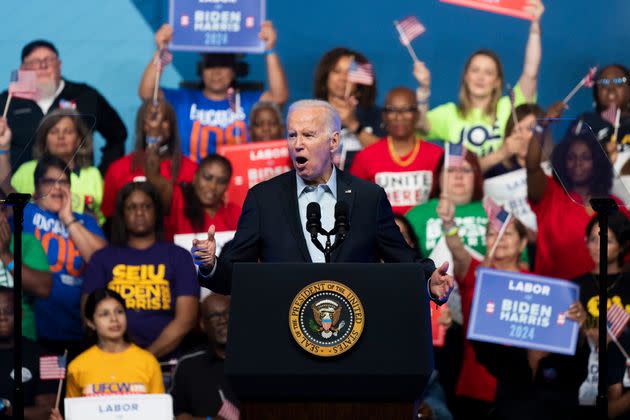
(392, 360)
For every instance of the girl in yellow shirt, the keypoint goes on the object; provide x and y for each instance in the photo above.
(114, 365)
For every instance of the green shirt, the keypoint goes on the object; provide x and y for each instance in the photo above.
(477, 131)
(471, 219)
(88, 183)
(35, 258)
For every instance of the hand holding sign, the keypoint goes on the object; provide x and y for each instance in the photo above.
(535, 8)
(268, 35)
(163, 36)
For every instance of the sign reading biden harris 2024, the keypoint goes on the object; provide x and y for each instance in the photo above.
(217, 25)
(523, 310)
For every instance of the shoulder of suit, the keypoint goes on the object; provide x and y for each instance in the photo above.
(357, 184)
(77, 87)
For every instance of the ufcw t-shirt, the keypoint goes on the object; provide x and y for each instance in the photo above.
(97, 373)
(150, 280)
(58, 317)
(477, 131)
(203, 123)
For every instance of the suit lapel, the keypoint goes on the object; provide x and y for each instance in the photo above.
(290, 206)
(345, 193)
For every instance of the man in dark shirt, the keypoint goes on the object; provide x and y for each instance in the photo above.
(199, 375)
(55, 92)
(39, 395)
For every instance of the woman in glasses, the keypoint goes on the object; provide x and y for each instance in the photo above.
(63, 134)
(402, 163)
(69, 240)
(611, 92)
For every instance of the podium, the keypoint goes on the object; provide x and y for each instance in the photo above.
(379, 376)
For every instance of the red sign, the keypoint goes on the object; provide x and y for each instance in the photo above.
(503, 7)
(438, 331)
(253, 163)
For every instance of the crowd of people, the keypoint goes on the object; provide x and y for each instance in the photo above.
(104, 282)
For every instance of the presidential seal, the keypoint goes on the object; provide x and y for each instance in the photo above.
(326, 318)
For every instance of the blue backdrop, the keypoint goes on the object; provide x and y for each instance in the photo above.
(108, 44)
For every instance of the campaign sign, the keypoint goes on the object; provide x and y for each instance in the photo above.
(254, 163)
(124, 407)
(503, 7)
(227, 26)
(523, 310)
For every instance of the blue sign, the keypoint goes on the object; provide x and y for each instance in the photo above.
(523, 310)
(226, 26)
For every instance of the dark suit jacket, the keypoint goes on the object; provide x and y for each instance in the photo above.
(270, 229)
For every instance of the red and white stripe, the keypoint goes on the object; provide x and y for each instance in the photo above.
(409, 28)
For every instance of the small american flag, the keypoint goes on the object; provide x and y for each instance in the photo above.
(409, 28)
(23, 84)
(228, 410)
(455, 154)
(589, 79)
(52, 367)
(497, 215)
(610, 114)
(617, 318)
(361, 73)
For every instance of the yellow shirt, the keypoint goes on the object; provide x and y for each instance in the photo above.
(96, 373)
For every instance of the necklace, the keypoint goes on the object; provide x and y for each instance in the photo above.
(397, 159)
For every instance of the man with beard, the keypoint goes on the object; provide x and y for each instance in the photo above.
(39, 395)
(200, 373)
(156, 278)
(55, 92)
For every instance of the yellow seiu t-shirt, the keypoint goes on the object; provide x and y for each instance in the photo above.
(97, 373)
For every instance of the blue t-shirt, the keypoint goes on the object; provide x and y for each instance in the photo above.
(58, 317)
(203, 124)
(150, 280)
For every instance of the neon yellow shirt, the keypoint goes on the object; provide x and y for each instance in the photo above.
(477, 131)
(88, 183)
(97, 373)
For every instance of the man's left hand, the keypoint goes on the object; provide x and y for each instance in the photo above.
(441, 283)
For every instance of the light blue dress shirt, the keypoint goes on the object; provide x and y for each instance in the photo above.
(326, 196)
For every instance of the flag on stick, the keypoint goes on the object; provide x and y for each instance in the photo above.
(361, 73)
(498, 218)
(513, 106)
(586, 81)
(617, 318)
(23, 84)
(455, 154)
(409, 29)
(52, 367)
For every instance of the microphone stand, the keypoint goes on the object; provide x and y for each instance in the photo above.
(603, 207)
(18, 201)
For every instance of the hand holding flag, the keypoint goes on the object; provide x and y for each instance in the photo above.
(228, 411)
(586, 81)
(498, 219)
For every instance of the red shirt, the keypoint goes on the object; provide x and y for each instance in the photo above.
(560, 244)
(226, 217)
(474, 379)
(406, 186)
(119, 173)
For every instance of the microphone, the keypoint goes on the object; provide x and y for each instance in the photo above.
(313, 219)
(342, 226)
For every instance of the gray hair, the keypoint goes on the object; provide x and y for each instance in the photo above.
(333, 121)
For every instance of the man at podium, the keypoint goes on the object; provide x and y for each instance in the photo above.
(280, 221)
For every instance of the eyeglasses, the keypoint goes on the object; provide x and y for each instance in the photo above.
(39, 63)
(460, 169)
(53, 181)
(406, 111)
(617, 81)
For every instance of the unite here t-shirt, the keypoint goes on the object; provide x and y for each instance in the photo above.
(205, 124)
(476, 132)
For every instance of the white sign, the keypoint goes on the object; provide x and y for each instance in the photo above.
(406, 188)
(510, 191)
(185, 240)
(120, 407)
